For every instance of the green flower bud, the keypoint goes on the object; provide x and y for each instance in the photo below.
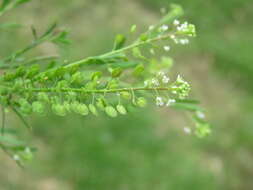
(38, 107)
(25, 106)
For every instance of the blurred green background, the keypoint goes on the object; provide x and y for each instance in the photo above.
(146, 150)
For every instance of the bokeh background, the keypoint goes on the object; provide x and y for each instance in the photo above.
(147, 149)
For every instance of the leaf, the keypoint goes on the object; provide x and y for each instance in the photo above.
(187, 106)
(10, 140)
(10, 25)
(61, 38)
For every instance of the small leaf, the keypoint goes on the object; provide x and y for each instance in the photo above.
(187, 106)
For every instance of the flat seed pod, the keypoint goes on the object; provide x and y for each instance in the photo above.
(121, 109)
(111, 111)
(93, 109)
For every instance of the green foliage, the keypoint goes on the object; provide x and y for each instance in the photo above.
(125, 75)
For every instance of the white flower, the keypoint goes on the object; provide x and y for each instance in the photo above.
(145, 83)
(164, 28)
(159, 101)
(165, 79)
(27, 150)
(183, 27)
(172, 36)
(166, 48)
(180, 79)
(187, 130)
(161, 73)
(170, 102)
(151, 27)
(16, 157)
(155, 82)
(176, 22)
(200, 115)
(152, 51)
(184, 41)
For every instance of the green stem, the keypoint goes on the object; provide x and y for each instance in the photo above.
(131, 46)
(97, 91)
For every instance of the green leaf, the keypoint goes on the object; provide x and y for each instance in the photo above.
(61, 38)
(10, 25)
(111, 111)
(186, 106)
(10, 140)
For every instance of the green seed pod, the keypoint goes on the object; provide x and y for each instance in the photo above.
(116, 72)
(121, 109)
(25, 106)
(126, 95)
(141, 102)
(111, 111)
(77, 78)
(93, 109)
(79, 108)
(67, 106)
(59, 109)
(101, 104)
(42, 96)
(38, 107)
